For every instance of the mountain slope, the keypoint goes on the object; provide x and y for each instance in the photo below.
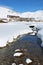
(38, 15)
(5, 11)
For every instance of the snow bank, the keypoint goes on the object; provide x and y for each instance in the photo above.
(8, 31)
(40, 35)
(38, 25)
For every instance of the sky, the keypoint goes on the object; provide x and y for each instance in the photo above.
(23, 5)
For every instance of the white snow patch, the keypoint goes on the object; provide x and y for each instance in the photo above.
(28, 60)
(26, 31)
(17, 50)
(13, 63)
(32, 33)
(18, 54)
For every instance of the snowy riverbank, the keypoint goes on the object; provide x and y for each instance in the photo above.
(28, 45)
(10, 31)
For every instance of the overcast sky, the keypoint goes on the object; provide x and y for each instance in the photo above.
(23, 5)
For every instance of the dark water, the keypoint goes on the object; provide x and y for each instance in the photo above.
(31, 45)
(29, 38)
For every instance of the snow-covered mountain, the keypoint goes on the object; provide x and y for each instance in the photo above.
(5, 11)
(25, 16)
(36, 14)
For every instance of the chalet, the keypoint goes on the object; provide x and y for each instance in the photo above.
(11, 16)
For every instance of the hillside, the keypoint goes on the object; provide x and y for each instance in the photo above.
(7, 15)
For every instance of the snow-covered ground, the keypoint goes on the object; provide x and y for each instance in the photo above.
(38, 25)
(8, 31)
